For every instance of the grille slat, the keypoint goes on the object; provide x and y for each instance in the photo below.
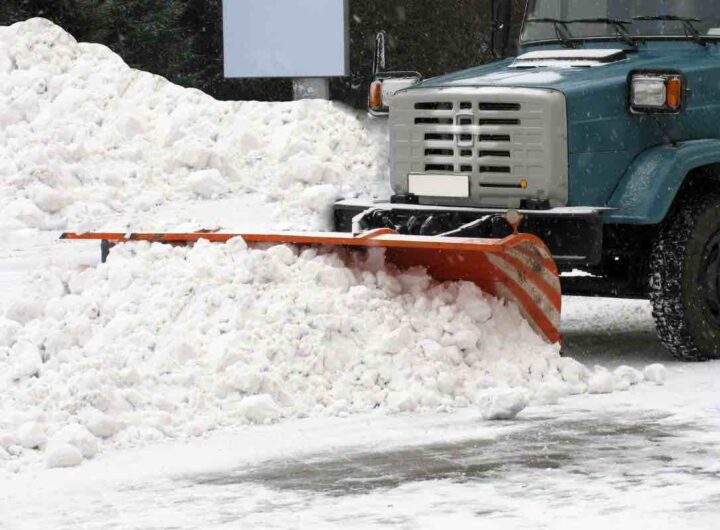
(499, 106)
(440, 152)
(447, 137)
(498, 121)
(494, 169)
(432, 105)
(498, 154)
(433, 121)
(494, 138)
(502, 185)
(441, 168)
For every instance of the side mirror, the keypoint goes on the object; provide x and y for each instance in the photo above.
(384, 87)
(502, 11)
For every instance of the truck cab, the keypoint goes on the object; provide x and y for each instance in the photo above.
(603, 131)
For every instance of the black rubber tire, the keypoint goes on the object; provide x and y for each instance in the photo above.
(679, 265)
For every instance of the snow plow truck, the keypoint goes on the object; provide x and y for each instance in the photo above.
(589, 162)
(604, 132)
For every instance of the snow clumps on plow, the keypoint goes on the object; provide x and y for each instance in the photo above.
(165, 341)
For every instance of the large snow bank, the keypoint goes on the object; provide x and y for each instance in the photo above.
(163, 342)
(83, 136)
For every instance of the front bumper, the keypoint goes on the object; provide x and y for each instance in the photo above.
(574, 235)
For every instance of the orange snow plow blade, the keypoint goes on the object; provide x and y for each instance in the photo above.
(518, 268)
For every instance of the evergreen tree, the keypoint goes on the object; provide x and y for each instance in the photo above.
(148, 34)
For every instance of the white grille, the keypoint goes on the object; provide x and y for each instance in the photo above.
(511, 142)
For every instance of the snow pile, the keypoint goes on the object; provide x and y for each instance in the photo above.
(83, 137)
(174, 342)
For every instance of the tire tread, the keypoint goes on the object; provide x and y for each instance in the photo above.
(667, 266)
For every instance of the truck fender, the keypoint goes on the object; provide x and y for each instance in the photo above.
(649, 186)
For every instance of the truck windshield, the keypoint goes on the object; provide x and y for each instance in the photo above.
(563, 20)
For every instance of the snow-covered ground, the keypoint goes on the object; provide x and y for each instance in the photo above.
(225, 387)
(648, 458)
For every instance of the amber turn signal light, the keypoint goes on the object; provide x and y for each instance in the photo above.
(376, 95)
(674, 93)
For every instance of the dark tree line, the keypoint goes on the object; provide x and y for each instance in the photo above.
(182, 39)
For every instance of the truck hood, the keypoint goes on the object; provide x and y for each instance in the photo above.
(566, 70)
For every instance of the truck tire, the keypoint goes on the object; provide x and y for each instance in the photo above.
(685, 277)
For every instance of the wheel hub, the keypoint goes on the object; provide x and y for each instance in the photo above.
(711, 277)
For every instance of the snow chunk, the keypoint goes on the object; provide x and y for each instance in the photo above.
(63, 455)
(208, 183)
(24, 211)
(573, 371)
(601, 381)
(259, 409)
(100, 424)
(547, 394)
(629, 374)
(8, 331)
(48, 199)
(24, 310)
(77, 436)
(31, 435)
(502, 404)
(8, 439)
(26, 360)
(655, 373)
(402, 402)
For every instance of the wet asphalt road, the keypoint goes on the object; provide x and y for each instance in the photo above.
(613, 442)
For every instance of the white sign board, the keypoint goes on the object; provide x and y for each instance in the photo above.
(285, 38)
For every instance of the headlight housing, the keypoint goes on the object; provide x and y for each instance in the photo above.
(656, 93)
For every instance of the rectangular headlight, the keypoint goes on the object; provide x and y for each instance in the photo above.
(649, 92)
(656, 93)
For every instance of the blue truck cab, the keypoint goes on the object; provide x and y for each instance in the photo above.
(604, 131)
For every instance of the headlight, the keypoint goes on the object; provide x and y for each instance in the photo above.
(656, 93)
(649, 92)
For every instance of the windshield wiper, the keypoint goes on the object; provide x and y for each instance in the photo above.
(561, 30)
(617, 23)
(688, 25)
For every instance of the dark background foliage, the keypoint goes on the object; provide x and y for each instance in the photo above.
(182, 39)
